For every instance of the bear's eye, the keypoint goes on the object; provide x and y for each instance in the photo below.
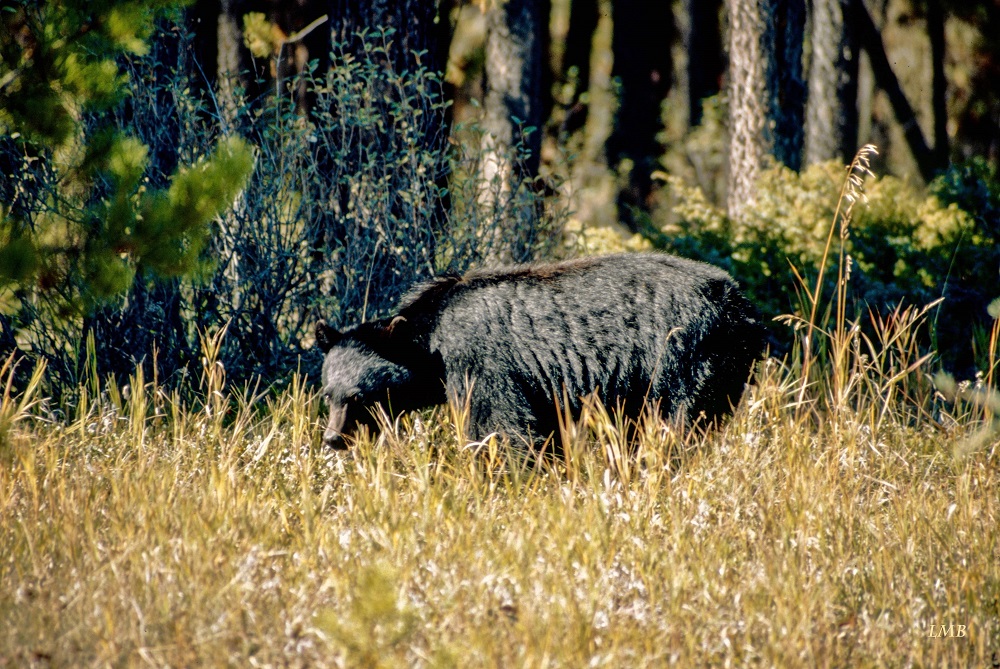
(353, 396)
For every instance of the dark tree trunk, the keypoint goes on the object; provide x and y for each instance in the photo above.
(939, 85)
(513, 73)
(706, 63)
(832, 108)
(847, 94)
(885, 78)
(784, 29)
(576, 61)
(643, 33)
(202, 19)
(766, 91)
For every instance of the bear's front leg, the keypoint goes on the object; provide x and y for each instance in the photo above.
(496, 405)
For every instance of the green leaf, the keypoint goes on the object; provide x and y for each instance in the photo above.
(18, 260)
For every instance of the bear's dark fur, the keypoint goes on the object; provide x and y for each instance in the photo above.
(636, 328)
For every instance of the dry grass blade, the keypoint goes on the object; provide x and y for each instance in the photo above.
(16, 406)
(851, 191)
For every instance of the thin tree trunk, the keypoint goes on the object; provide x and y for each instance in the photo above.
(784, 29)
(512, 120)
(831, 111)
(229, 66)
(576, 61)
(705, 62)
(850, 139)
(939, 85)
(885, 79)
(747, 106)
(643, 65)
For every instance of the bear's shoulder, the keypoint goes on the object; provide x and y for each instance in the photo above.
(426, 297)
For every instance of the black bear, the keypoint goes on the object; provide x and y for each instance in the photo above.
(639, 329)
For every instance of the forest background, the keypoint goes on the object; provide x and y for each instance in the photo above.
(397, 140)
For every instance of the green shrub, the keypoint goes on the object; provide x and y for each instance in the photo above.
(906, 245)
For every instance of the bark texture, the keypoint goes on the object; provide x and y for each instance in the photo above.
(784, 30)
(831, 111)
(512, 120)
(747, 105)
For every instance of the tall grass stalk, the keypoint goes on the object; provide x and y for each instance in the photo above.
(872, 371)
(991, 354)
(851, 191)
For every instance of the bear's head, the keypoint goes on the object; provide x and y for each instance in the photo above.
(366, 367)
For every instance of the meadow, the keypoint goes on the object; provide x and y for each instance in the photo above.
(846, 515)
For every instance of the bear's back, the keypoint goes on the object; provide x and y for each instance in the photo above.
(632, 326)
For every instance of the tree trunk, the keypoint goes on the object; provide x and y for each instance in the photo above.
(766, 91)
(784, 29)
(747, 103)
(512, 120)
(939, 85)
(643, 33)
(576, 61)
(705, 65)
(229, 63)
(831, 111)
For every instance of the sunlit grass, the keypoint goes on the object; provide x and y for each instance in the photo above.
(144, 532)
(846, 512)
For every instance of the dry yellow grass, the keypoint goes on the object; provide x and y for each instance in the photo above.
(845, 517)
(801, 534)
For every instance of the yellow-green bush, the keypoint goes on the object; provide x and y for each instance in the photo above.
(905, 244)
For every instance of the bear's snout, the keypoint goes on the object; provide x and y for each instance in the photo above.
(333, 435)
(334, 440)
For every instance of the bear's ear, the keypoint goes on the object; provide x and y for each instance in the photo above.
(326, 336)
(399, 323)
